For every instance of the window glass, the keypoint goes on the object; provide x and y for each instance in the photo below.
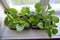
(30, 2)
(55, 1)
(18, 4)
(24, 2)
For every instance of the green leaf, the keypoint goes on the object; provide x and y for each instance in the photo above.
(48, 16)
(47, 22)
(25, 18)
(37, 5)
(38, 10)
(31, 19)
(19, 20)
(9, 16)
(52, 12)
(54, 31)
(49, 32)
(6, 11)
(19, 28)
(6, 21)
(42, 16)
(25, 11)
(27, 25)
(40, 25)
(13, 10)
(55, 19)
(9, 23)
(54, 25)
(41, 11)
(22, 21)
(13, 25)
(36, 20)
(49, 7)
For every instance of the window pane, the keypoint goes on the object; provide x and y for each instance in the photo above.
(55, 1)
(24, 2)
(18, 4)
(30, 2)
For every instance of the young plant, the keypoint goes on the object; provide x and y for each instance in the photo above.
(13, 20)
(48, 21)
(43, 19)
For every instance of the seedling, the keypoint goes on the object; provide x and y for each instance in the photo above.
(43, 19)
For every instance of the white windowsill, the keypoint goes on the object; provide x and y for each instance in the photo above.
(28, 34)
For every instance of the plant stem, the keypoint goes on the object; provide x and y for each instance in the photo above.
(46, 9)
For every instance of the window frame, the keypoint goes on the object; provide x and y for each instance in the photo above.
(5, 3)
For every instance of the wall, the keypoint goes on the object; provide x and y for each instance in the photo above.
(2, 16)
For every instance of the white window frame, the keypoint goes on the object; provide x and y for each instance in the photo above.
(6, 3)
(9, 3)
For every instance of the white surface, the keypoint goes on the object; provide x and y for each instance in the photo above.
(2, 15)
(27, 34)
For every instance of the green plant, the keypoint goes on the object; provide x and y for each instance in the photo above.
(43, 19)
(14, 21)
